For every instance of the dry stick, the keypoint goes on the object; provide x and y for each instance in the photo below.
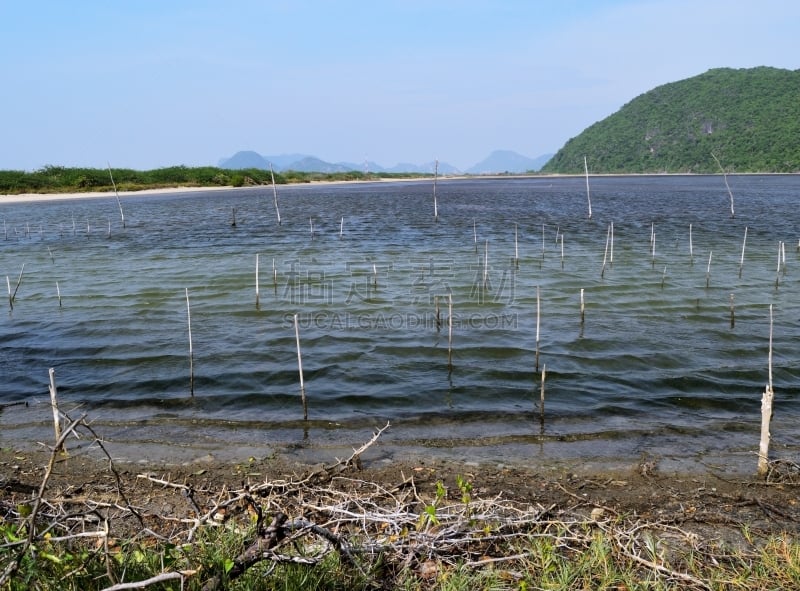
(588, 195)
(54, 405)
(275, 193)
(538, 317)
(708, 269)
(450, 332)
(733, 313)
(116, 194)
(300, 369)
(725, 176)
(191, 349)
(741, 260)
(766, 413)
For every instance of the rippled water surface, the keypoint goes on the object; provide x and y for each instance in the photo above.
(655, 364)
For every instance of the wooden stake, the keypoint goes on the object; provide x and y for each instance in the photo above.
(54, 405)
(741, 260)
(300, 368)
(766, 413)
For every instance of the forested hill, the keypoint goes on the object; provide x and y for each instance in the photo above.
(748, 118)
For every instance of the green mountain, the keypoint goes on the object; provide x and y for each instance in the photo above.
(748, 118)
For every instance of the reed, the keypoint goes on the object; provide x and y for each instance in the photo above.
(538, 318)
(191, 347)
(275, 194)
(588, 193)
(56, 414)
(766, 412)
(741, 259)
(116, 194)
(450, 332)
(300, 368)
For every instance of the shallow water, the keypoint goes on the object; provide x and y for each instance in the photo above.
(654, 367)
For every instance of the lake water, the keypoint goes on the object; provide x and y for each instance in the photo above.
(654, 367)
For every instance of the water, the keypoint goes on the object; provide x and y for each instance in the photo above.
(654, 367)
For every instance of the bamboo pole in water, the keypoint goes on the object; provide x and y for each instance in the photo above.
(116, 194)
(58, 292)
(708, 269)
(691, 253)
(611, 251)
(275, 193)
(583, 308)
(766, 413)
(341, 228)
(588, 194)
(516, 245)
(562, 251)
(605, 253)
(485, 264)
(538, 318)
(741, 260)
(435, 202)
(475, 235)
(300, 368)
(19, 280)
(663, 277)
(778, 270)
(191, 347)
(654, 250)
(10, 299)
(450, 332)
(541, 395)
(733, 313)
(54, 405)
(438, 313)
(256, 281)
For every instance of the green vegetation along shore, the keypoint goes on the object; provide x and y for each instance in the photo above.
(59, 179)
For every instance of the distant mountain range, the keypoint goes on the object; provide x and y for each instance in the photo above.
(498, 162)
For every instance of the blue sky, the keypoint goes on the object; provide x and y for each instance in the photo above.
(153, 83)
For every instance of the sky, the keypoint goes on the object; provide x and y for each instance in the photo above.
(147, 84)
